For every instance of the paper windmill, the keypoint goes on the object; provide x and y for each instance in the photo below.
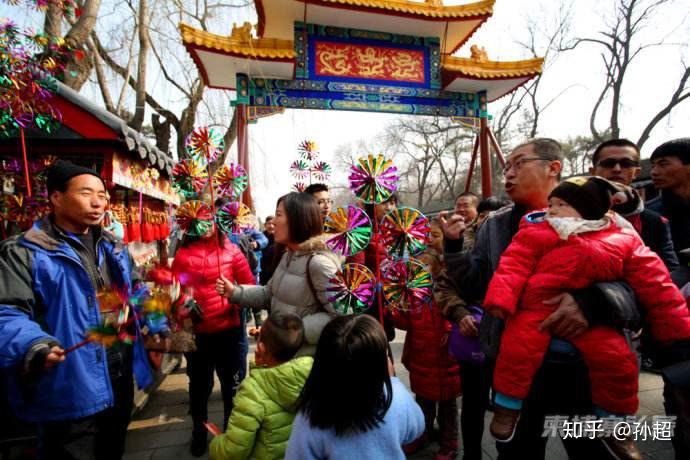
(407, 284)
(234, 217)
(231, 181)
(373, 179)
(351, 230)
(204, 145)
(353, 289)
(308, 150)
(189, 178)
(299, 169)
(404, 232)
(194, 218)
(307, 168)
(299, 186)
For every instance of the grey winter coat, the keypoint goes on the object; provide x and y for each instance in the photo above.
(288, 290)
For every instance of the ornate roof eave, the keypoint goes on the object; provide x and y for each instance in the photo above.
(500, 77)
(257, 48)
(234, 54)
(452, 24)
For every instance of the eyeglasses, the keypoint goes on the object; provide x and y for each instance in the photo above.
(518, 164)
(611, 163)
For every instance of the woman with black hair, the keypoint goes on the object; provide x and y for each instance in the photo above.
(299, 283)
(352, 405)
(218, 325)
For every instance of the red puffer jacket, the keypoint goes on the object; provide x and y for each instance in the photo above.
(434, 375)
(196, 267)
(538, 265)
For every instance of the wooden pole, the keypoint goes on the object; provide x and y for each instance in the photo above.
(485, 157)
(473, 162)
(243, 150)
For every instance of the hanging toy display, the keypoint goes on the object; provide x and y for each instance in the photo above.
(307, 168)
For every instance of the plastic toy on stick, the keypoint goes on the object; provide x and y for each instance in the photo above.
(407, 284)
(234, 217)
(353, 289)
(189, 178)
(404, 232)
(351, 230)
(194, 218)
(373, 179)
(231, 181)
(204, 144)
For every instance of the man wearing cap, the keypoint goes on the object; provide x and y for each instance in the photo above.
(560, 386)
(49, 279)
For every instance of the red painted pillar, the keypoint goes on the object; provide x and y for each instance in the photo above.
(485, 157)
(243, 149)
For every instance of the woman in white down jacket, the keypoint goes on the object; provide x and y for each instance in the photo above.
(293, 289)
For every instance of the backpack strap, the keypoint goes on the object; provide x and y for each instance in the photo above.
(310, 282)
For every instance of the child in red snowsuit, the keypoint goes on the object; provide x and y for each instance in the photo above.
(434, 375)
(574, 244)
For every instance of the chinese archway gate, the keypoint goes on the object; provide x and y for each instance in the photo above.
(392, 56)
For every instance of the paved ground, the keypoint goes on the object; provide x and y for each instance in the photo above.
(163, 429)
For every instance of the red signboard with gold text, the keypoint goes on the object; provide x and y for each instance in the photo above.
(368, 62)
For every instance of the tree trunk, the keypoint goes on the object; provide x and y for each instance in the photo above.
(144, 46)
(77, 71)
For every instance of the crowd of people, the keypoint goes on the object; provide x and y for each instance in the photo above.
(544, 304)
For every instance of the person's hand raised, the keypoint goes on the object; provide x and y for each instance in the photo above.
(453, 226)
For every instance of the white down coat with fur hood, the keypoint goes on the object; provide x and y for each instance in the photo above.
(288, 290)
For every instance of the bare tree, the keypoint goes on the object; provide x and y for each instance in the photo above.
(434, 156)
(154, 24)
(545, 37)
(621, 44)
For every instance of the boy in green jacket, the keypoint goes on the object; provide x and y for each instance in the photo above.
(265, 403)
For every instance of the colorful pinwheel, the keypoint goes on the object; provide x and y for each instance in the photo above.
(404, 232)
(308, 150)
(234, 217)
(407, 284)
(231, 181)
(299, 169)
(189, 178)
(353, 289)
(194, 218)
(351, 230)
(373, 179)
(204, 145)
(299, 186)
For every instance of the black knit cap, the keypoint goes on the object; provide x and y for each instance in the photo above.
(589, 195)
(60, 172)
(676, 148)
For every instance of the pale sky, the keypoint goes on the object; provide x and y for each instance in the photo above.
(274, 140)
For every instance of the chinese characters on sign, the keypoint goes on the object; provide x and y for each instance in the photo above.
(656, 427)
(369, 62)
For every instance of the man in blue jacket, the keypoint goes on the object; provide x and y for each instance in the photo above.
(49, 279)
